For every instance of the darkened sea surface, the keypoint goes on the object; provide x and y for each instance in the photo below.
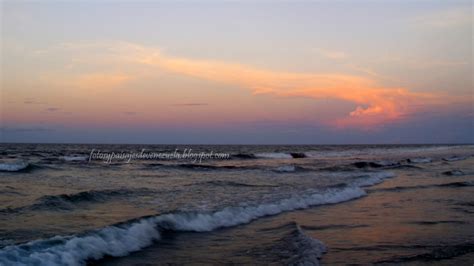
(290, 205)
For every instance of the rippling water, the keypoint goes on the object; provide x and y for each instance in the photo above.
(265, 204)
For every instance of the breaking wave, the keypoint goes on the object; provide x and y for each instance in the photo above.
(372, 179)
(419, 160)
(122, 239)
(14, 166)
(75, 158)
(294, 247)
(286, 168)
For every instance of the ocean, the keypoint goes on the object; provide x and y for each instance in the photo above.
(71, 204)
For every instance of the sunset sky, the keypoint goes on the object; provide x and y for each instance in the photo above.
(239, 72)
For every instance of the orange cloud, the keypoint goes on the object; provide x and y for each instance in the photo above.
(375, 104)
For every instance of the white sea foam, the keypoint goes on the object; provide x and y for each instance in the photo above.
(75, 250)
(13, 166)
(274, 155)
(310, 250)
(286, 168)
(420, 160)
(372, 179)
(122, 239)
(232, 216)
(74, 158)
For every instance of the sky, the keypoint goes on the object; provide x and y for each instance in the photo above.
(237, 72)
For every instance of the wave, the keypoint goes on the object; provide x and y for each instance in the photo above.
(231, 184)
(437, 222)
(308, 250)
(70, 201)
(458, 184)
(294, 168)
(455, 158)
(372, 179)
(435, 255)
(200, 167)
(89, 196)
(298, 155)
(454, 173)
(205, 166)
(14, 166)
(393, 164)
(466, 203)
(122, 239)
(270, 155)
(274, 155)
(286, 168)
(293, 247)
(404, 166)
(244, 156)
(387, 164)
(209, 167)
(334, 226)
(377, 164)
(357, 151)
(75, 158)
(419, 160)
(451, 185)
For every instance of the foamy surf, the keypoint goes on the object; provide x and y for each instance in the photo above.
(74, 158)
(13, 166)
(121, 240)
(310, 250)
(372, 179)
(294, 247)
(420, 160)
(274, 155)
(286, 168)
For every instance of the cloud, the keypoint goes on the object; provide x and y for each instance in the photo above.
(375, 104)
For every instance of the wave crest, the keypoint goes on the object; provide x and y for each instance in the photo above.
(14, 166)
(120, 240)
